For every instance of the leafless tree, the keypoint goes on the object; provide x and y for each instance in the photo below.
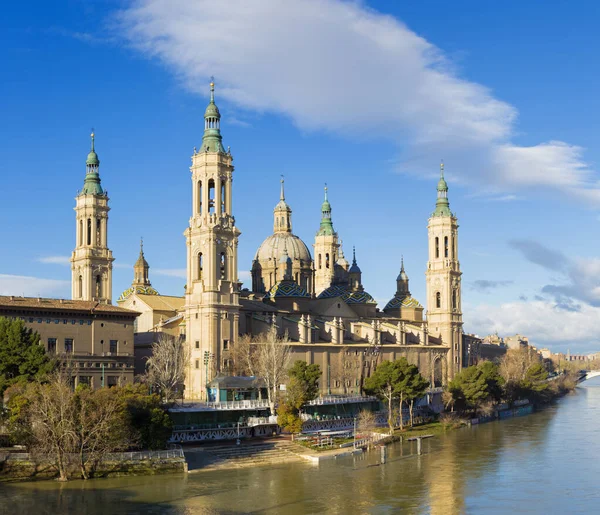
(514, 365)
(99, 430)
(244, 355)
(367, 421)
(272, 359)
(166, 367)
(50, 415)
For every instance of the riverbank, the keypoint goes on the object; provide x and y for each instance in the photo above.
(23, 467)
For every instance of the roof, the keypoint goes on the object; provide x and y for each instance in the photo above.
(223, 381)
(140, 290)
(257, 306)
(406, 302)
(162, 302)
(12, 302)
(347, 295)
(287, 289)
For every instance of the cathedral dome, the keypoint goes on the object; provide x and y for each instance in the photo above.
(406, 302)
(347, 295)
(274, 246)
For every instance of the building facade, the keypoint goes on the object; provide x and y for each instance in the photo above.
(320, 304)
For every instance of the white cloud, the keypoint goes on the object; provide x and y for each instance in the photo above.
(33, 286)
(544, 323)
(180, 273)
(341, 67)
(55, 260)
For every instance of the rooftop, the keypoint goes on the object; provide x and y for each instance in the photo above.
(13, 302)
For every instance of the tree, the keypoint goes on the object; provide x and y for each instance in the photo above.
(475, 385)
(384, 384)
(22, 358)
(303, 386)
(272, 358)
(244, 352)
(413, 388)
(166, 367)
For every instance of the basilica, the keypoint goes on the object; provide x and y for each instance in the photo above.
(315, 298)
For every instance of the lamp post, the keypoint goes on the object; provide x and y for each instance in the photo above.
(102, 367)
(207, 358)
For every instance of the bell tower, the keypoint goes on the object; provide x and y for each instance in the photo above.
(212, 289)
(326, 249)
(91, 261)
(444, 313)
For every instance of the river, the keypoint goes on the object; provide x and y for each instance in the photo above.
(548, 462)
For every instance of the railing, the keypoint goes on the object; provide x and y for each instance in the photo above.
(258, 421)
(333, 399)
(175, 452)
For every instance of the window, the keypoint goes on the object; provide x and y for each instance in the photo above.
(48, 321)
(199, 197)
(227, 364)
(30, 320)
(89, 231)
(438, 300)
(222, 265)
(39, 320)
(320, 264)
(222, 197)
(68, 345)
(112, 381)
(73, 322)
(445, 246)
(327, 260)
(437, 247)
(81, 322)
(98, 286)
(57, 321)
(211, 196)
(453, 299)
(51, 345)
(87, 380)
(225, 344)
(199, 273)
(80, 287)
(197, 363)
(113, 346)
(197, 344)
(89, 322)
(65, 321)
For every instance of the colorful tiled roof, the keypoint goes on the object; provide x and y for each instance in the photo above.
(287, 289)
(348, 296)
(406, 302)
(144, 290)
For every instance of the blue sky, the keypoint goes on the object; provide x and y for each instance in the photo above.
(366, 96)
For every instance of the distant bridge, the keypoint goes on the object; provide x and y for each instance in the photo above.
(590, 374)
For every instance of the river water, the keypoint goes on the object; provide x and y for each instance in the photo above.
(548, 462)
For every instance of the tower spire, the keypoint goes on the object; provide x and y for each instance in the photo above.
(282, 194)
(212, 140)
(442, 205)
(91, 184)
(326, 227)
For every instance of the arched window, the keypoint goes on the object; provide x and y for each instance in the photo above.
(327, 260)
(437, 247)
(222, 197)
(320, 262)
(223, 266)
(199, 197)
(446, 246)
(282, 224)
(199, 273)
(89, 231)
(80, 232)
(454, 299)
(98, 286)
(211, 196)
(80, 287)
(438, 300)
(98, 232)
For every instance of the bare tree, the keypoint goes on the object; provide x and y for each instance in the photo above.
(50, 416)
(516, 362)
(99, 430)
(244, 355)
(166, 366)
(272, 362)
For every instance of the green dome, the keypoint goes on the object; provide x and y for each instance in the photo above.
(212, 111)
(442, 184)
(92, 159)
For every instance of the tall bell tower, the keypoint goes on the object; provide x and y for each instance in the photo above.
(326, 249)
(212, 289)
(91, 261)
(444, 313)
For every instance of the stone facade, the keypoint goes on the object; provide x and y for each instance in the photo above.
(97, 339)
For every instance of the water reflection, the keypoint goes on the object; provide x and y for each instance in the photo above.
(545, 463)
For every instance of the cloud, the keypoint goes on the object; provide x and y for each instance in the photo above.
(579, 277)
(55, 260)
(340, 67)
(544, 322)
(33, 286)
(541, 255)
(180, 273)
(485, 286)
